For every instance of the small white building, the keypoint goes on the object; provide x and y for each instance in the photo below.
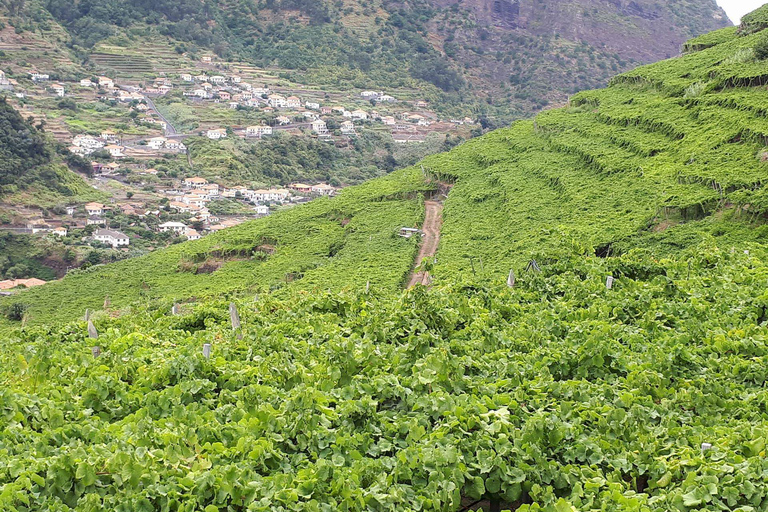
(312, 105)
(114, 238)
(156, 142)
(292, 102)
(219, 133)
(348, 128)
(94, 209)
(277, 101)
(359, 114)
(319, 126)
(186, 77)
(195, 182)
(115, 151)
(106, 82)
(217, 79)
(261, 209)
(192, 234)
(258, 131)
(86, 83)
(176, 227)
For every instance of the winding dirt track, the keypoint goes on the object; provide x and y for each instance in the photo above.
(432, 223)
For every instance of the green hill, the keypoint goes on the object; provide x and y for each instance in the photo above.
(502, 58)
(31, 171)
(670, 155)
(341, 392)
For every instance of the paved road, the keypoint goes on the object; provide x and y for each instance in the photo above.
(169, 128)
(433, 221)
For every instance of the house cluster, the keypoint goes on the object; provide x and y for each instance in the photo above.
(179, 229)
(107, 140)
(230, 89)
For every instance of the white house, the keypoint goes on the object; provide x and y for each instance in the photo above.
(186, 77)
(60, 231)
(39, 77)
(234, 191)
(200, 93)
(217, 79)
(94, 209)
(370, 94)
(115, 151)
(235, 79)
(359, 114)
(113, 238)
(216, 134)
(191, 234)
(348, 128)
(176, 227)
(108, 135)
(258, 131)
(106, 82)
(86, 83)
(277, 101)
(386, 98)
(319, 126)
(195, 182)
(87, 142)
(261, 209)
(312, 105)
(58, 90)
(156, 142)
(201, 78)
(292, 102)
(211, 189)
(323, 189)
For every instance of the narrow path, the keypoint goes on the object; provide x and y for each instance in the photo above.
(170, 130)
(432, 223)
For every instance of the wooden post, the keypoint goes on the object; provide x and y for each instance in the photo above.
(207, 350)
(367, 286)
(472, 262)
(87, 314)
(175, 310)
(609, 282)
(106, 302)
(511, 279)
(96, 351)
(235, 318)
(92, 332)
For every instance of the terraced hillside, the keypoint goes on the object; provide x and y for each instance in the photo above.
(669, 156)
(499, 58)
(295, 376)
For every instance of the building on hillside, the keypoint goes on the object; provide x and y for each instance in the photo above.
(219, 133)
(292, 102)
(109, 136)
(58, 90)
(86, 83)
(217, 79)
(106, 82)
(224, 95)
(258, 131)
(386, 98)
(175, 145)
(156, 142)
(359, 114)
(312, 105)
(94, 209)
(236, 191)
(95, 220)
(60, 231)
(176, 227)
(211, 189)
(195, 182)
(114, 238)
(206, 59)
(282, 120)
(261, 209)
(301, 188)
(277, 101)
(323, 189)
(348, 128)
(192, 234)
(186, 77)
(39, 77)
(115, 151)
(370, 94)
(326, 110)
(319, 126)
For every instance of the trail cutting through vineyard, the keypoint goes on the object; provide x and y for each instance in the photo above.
(433, 221)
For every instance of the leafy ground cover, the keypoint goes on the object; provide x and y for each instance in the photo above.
(558, 394)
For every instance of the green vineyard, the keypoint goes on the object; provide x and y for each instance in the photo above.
(594, 336)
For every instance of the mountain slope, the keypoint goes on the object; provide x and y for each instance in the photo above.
(670, 156)
(512, 55)
(30, 170)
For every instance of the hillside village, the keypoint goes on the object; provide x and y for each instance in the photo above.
(123, 129)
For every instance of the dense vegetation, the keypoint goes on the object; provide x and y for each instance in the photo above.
(462, 61)
(29, 164)
(342, 392)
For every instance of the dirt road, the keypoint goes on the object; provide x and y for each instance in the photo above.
(432, 222)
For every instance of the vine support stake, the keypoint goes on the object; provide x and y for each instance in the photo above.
(235, 318)
(92, 332)
(511, 279)
(106, 302)
(87, 314)
(207, 350)
(96, 351)
(705, 447)
(175, 309)
(367, 286)
(609, 282)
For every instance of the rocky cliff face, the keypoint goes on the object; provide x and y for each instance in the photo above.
(515, 47)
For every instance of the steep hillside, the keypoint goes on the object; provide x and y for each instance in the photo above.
(503, 57)
(667, 157)
(623, 369)
(30, 170)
